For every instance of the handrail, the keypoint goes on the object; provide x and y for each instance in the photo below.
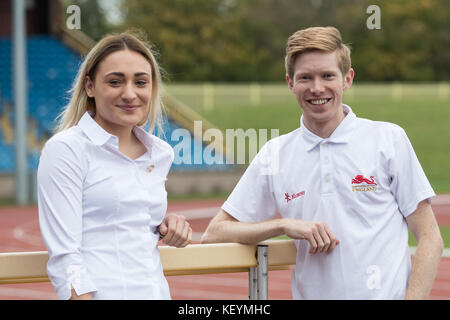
(29, 267)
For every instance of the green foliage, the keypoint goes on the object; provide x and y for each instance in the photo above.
(230, 40)
(198, 39)
(93, 18)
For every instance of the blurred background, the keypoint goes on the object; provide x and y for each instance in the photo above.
(223, 63)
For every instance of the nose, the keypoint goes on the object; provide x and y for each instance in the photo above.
(128, 93)
(317, 87)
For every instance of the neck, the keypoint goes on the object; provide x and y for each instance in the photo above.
(123, 133)
(326, 128)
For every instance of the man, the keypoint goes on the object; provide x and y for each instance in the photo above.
(347, 189)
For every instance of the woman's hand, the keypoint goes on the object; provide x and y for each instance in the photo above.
(86, 296)
(175, 231)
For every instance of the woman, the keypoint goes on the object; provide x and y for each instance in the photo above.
(101, 180)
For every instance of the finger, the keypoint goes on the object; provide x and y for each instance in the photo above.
(312, 243)
(333, 239)
(319, 241)
(162, 228)
(182, 230)
(183, 234)
(188, 240)
(171, 229)
(325, 238)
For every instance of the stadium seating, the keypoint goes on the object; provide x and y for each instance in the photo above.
(51, 69)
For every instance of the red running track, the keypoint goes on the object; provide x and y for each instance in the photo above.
(19, 231)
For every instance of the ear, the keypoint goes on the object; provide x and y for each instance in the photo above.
(348, 78)
(290, 83)
(89, 87)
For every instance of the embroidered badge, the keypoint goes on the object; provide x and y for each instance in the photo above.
(150, 168)
(289, 197)
(363, 184)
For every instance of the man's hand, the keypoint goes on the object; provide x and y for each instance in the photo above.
(225, 228)
(175, 231)
(318, 234)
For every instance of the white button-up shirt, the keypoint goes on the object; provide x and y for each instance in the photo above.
(99, 211)
(363, 181)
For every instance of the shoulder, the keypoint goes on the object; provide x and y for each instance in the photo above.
(284, 140)
(161, 147)
(64, 152)
(379, 129)
(71, 139)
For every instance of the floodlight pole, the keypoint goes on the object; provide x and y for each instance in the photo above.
(20, 99)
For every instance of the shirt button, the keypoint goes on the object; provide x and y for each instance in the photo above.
(325, 144)
(327, 178)
(326, 161)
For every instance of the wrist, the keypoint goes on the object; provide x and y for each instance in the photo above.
(281, 226)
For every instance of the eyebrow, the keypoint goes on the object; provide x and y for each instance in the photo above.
(120, 74)
(302, 73)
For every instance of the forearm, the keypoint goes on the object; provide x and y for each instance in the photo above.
(225, 228)
(242, 232)
(424, 269)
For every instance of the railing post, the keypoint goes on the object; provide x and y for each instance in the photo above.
(263, 271)
(258, 277)
(252, 283)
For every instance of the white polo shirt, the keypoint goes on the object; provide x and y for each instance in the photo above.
(99, 211)
(363, 181)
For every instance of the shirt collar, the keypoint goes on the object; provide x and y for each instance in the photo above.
(93, 130)
(340, 135)
(145, 138)
(100, 136)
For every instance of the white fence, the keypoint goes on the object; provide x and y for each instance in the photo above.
(209, 95)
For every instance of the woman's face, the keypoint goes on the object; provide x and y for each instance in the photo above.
(122, 90)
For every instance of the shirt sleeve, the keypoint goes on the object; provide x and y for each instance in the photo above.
(60, 181)
(409, 183)
(252, 199)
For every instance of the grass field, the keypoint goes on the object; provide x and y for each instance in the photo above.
(423, 110)
(445, 233)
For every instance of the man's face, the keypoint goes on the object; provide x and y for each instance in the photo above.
(318, 85)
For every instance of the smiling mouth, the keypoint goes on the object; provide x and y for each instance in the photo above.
(128, 107)
(318, 102)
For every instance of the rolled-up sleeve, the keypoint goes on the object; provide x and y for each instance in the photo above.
(60, 182)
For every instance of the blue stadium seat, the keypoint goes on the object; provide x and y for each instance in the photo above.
(51, 69)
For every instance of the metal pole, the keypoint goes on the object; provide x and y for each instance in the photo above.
(263, 272)
(252, 284)
(20, 99)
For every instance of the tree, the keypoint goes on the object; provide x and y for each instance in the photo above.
(197, 39)
(244, 40)
(93, 19)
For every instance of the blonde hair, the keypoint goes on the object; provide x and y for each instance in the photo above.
(80, 102)
(326, 39)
